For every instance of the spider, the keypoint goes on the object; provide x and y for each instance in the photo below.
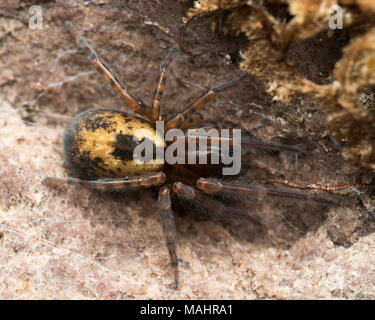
(99, 146)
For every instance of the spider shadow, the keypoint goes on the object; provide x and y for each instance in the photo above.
(270, 222)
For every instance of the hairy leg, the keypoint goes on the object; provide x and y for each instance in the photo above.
(209, 205)
(245, 143)
(211, 186)
(112, 184)
(169, 230)
(314, 185)
(192, 121)
(99, 64)
(179, 119)
(159, 89)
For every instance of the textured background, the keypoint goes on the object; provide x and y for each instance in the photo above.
(76, 243)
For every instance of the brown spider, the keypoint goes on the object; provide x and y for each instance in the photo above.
(99, 146)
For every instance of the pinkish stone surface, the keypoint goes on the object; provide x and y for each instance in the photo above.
(74, 243)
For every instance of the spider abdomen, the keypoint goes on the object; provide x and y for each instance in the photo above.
(101, 143)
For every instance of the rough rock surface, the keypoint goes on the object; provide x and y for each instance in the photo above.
(73, 243)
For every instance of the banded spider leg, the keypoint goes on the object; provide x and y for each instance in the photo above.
(112, 184)
(169, 230)
(211, 186)
(105, 71)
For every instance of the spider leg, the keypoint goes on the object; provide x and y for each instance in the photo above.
(214, 208)
(177, 120)
(191, 121)
(112, 184)
(99, 64)
(245, 143)
(159, 89)
(195, 121)
(248, 143)
(313, 186)
(211, 186)
(257, 144)
(169, 230)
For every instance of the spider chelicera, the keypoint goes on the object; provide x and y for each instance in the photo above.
(99, 146)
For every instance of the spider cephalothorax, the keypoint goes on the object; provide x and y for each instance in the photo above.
(99, 149)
